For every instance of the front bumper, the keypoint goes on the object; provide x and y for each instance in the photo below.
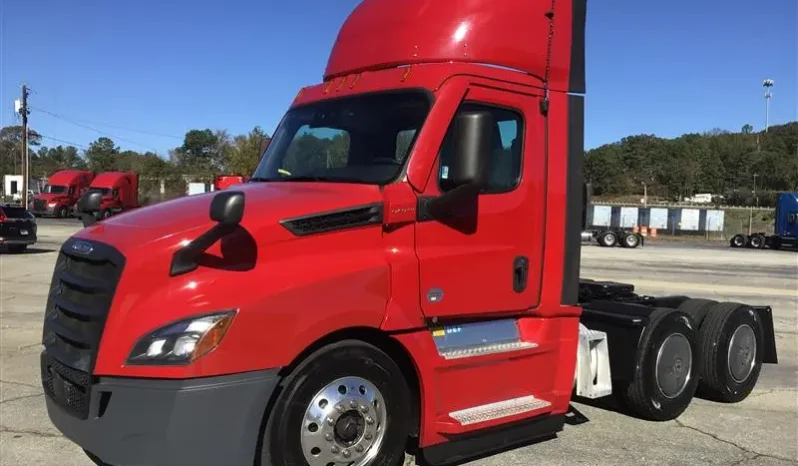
(145, 422)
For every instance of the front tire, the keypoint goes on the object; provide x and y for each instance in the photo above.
(345, 404)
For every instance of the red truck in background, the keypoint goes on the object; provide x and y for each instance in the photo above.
(225, 181)
(119, 192)
(62, 192)
(401, 273)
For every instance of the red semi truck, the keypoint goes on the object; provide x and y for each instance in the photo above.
(119, 192)
(400, 274)
(225, 181)
(61, 193)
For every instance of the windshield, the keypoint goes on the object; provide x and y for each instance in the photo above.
(361, 139)
(103, 191)
(55, 189)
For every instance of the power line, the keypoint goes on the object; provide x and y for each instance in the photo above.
(74, 120)
(95, 129)
(62, 141)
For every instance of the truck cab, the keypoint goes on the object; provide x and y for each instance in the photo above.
(61, 193)
(401, 272)
(118, 192)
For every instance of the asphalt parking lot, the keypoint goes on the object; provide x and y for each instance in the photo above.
(762, 430)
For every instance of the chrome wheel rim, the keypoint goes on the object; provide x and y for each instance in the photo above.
(742, 353)
(674, 364)
(344, 424)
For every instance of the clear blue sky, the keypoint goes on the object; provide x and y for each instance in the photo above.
(168, 66)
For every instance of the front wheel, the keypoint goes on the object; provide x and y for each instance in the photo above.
(347, 404)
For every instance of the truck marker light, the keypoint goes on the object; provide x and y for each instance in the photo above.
(183, 342)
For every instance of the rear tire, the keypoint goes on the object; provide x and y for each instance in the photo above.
(697, 309)
(630, 240)
(666, 374)
(320, 390)
(732, 344)
(756, 242)
(738, 241)
(607, 239)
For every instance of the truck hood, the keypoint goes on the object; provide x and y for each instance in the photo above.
(50, 197)
(266, 204)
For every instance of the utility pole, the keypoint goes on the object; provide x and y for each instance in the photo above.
(25, 160)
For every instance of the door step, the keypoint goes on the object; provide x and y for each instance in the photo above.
(479, 339)
(498, 410)
(480, 350)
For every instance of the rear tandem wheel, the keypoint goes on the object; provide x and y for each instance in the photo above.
(731, 347)
(666, 369)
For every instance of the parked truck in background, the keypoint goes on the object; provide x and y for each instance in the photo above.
(119, 192)
(63, 189)
(607, 236)
(226, 181)
(785, 228)
(357, 301)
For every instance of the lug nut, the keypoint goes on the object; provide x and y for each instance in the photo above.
(368, 436)
(330, 421)
(340, 408)
(369, 420)
(359, 448)
(346, 453)
(334, 450)
(353, 404)
(364, 408)
(329, 437)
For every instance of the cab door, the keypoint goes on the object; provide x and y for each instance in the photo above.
(490, 261)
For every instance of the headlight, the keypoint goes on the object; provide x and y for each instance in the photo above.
(183, 342)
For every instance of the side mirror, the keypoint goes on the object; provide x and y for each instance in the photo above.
(227, 207)
(472, 134)
(90, 202)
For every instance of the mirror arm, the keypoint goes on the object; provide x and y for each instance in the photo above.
(445, 205)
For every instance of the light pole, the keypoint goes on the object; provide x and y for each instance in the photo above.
(767, 84)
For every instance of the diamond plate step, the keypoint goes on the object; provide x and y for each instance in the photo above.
(498, 410)
(490, 348)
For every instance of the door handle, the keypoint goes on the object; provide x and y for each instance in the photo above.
(520, 273)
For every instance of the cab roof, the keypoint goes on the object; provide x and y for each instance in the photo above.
(513, 34)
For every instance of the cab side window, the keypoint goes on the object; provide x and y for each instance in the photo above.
(116, 193)
(506, 155)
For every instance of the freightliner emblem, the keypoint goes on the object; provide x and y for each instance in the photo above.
(81, 247)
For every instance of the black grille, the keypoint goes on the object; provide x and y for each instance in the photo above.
(39, 205)
(337, 220)
(82, 289)
(67, 386)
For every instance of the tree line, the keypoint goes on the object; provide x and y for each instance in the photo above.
(718, 162)
(203, 155)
